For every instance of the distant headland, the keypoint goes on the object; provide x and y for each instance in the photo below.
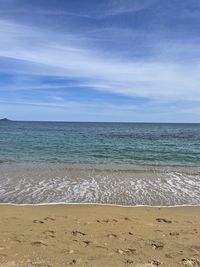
(5, 119)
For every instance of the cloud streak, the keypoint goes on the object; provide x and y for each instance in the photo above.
(66, 58)
(110, 52)
(103, 9)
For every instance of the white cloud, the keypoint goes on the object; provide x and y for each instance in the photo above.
(64, 55)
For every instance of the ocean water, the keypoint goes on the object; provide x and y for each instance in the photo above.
(115, 163)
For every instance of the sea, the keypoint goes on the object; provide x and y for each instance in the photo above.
(131, 164)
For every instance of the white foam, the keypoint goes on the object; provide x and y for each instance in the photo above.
(129, 189)
(99, 204)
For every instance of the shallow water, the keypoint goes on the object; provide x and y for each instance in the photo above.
(55, 183)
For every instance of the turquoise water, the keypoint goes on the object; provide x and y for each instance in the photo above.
(100, 143)
(115, 163)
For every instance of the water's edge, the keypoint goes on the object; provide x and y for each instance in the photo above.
(142, 186)
(96, 204)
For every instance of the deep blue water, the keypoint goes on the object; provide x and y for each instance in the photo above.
(100, 143)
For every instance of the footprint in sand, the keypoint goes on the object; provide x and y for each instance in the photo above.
(127, 251)
(157, 245)
(174, 234)
(49, 219)
(38, 221)
(73, 262)
(49, 233)
(2, 255)
(39, 243)
(130, 233)
(15, 240)
(162, 220)
(128, 261)
(155, 263)
(112, 235)
(87, 242)
(107, 221)
(77, 233)
(191, 262)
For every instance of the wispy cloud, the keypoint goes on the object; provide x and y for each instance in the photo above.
(103, 9)
(108, 48)
(61, 55)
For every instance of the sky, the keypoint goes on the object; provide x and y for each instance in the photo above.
(100, 60)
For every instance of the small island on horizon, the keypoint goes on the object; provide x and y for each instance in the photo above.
(5, 119)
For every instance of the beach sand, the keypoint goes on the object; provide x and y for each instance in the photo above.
(99, 236)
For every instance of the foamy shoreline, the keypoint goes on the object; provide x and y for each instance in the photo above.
(98, 204)
(59, 184)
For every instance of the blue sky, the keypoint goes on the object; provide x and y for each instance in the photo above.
(92, 60)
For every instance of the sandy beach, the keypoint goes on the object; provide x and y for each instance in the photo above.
(97, 236)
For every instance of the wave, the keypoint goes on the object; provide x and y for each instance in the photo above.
(36, 184)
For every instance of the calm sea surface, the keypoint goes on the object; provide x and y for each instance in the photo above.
(119, 163)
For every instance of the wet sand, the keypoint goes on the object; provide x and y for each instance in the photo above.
(99, 236)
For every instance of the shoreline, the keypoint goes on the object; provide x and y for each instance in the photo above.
(99, 204)
(58, 184)
(99, 235)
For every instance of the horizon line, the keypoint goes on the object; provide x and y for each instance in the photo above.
(125, 122)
